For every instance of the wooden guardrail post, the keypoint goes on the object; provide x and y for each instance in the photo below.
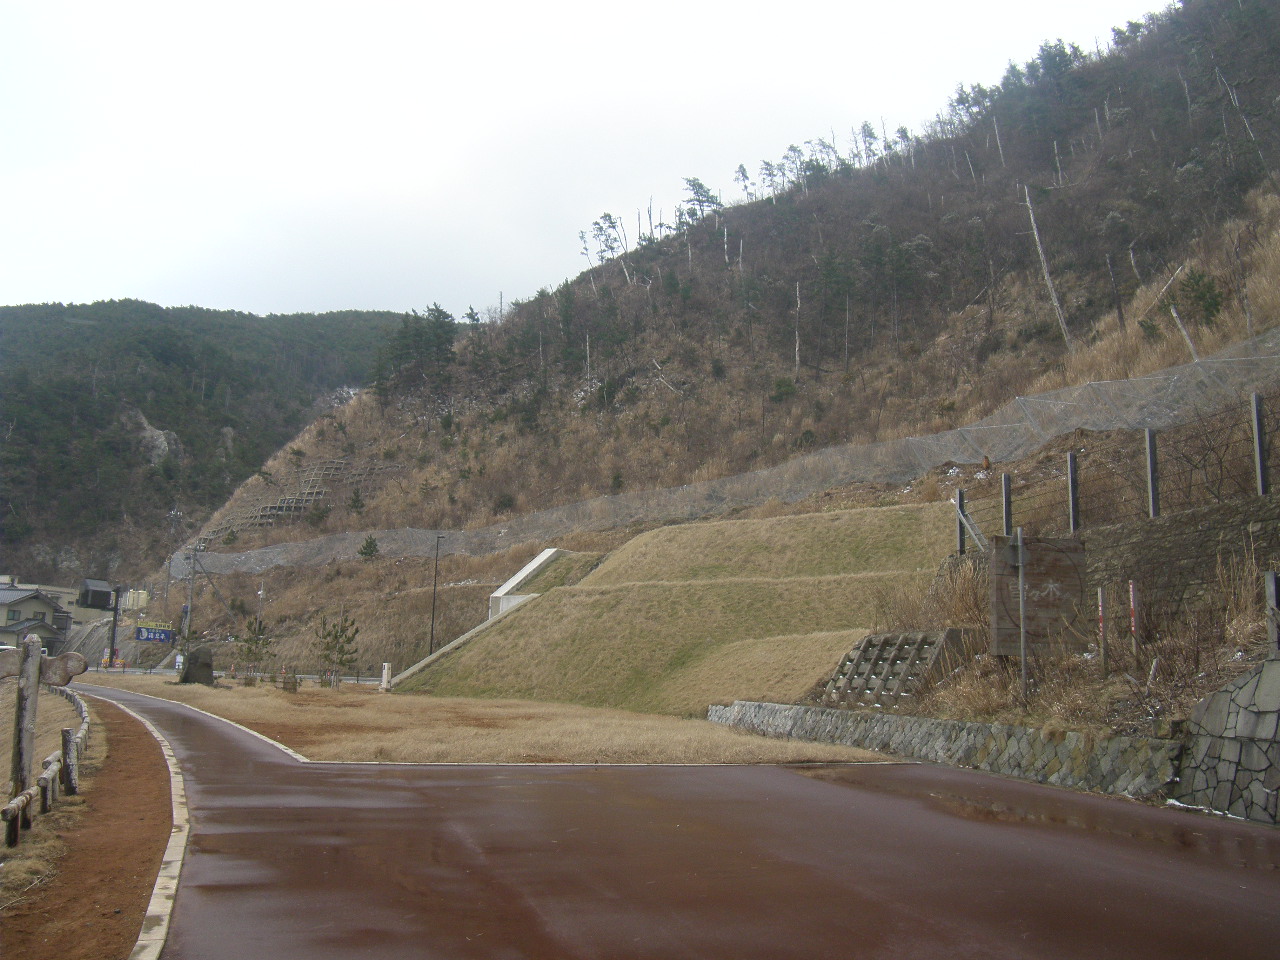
(48, 781)
(24, 717)
(30, 666)
(70, 762)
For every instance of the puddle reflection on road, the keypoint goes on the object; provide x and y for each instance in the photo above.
(1002, 800)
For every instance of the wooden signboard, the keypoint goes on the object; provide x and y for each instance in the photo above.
(1055, 582)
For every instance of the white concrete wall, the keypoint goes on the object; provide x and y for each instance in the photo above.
(505, 598)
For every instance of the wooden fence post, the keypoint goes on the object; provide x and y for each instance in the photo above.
(1273, 614)
(1153, 476)
(48, 781)
(1260, 447)
(24, 718)
(1102, 631)
(1073, 492)
(70, 762)
(960, 522)
(1133, 623)
(1006, 500)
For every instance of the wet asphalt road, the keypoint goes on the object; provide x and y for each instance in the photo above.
(318, 861)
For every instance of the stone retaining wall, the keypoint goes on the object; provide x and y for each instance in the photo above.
(1132, 766)
(1232, 762)
(1175, 557)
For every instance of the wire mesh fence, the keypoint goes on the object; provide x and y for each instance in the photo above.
(1128, 475)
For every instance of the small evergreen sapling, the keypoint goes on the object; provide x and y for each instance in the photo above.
(336, 645)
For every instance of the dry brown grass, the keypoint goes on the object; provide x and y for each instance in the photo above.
(456, 478)
(563, 571)
(810, 545)
(35, 858)
(1188, 655)
(52, 714)
(1119, 354)
(362, 725)
(623, 646)
(957, 596)
(765, 669)
(389, 599)
(700, 613)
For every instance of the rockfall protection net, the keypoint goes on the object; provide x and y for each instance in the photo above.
(1019, 428)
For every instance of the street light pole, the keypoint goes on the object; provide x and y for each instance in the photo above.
(435, 581)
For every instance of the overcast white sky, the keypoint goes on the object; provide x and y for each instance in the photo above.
(275, 156)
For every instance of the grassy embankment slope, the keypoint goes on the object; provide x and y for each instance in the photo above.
(689, 615)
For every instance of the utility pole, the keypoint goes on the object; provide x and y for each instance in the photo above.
(187, 615)
(174, 516)
(115, 619)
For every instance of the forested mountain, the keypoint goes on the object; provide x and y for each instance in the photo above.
(1125, 158)
(1058, 227)
(116, 413)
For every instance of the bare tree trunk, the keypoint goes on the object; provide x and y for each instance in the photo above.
(797, 375)
(1115, 293)
(846, 333)
(1186, 92)
(1235, 102)
(1195, 357)
(1048, 280)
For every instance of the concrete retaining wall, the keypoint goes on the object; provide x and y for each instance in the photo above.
(505, 597)
(1132, 766)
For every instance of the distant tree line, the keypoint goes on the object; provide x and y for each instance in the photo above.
(79, 379)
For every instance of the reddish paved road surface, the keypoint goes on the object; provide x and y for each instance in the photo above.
(321, 861)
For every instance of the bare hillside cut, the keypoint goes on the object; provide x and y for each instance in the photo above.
(682, 617)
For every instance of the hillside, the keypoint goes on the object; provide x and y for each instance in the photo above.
(858, 292)
(682, 616)
(890, 288)
(126, 423)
